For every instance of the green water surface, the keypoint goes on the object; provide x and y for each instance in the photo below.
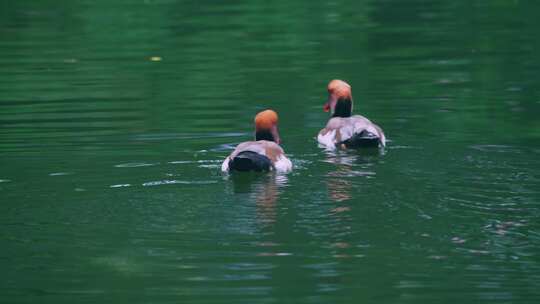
(115, 117)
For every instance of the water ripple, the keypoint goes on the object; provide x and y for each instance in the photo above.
(120, 185)
(171, 182)
(135, 165)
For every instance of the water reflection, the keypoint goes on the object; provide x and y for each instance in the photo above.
(348, 164)
(263, 189)
(339, 189)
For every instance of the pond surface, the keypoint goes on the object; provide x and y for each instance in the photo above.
(115, 117)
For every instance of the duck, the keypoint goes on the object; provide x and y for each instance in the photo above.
(264, 153)
(344, 130)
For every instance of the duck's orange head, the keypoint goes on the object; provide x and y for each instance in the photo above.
(266, 126)
(338, 90)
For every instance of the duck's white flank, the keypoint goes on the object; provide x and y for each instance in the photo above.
(339, 129)
(283, 164)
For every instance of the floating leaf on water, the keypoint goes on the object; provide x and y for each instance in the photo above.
(155, 58)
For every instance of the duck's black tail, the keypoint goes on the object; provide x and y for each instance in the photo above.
(364, 139)
(250, 161)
